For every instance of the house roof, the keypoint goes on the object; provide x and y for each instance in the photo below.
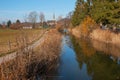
(26, 24)
(50, 21)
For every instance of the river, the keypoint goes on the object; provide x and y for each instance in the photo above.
(86, 60)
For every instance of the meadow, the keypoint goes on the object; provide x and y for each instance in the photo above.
(10, 39)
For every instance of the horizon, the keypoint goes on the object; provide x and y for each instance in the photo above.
(14, 9)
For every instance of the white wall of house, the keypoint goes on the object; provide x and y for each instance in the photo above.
(27, 27)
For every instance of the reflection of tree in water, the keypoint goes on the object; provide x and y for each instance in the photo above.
(99, 65)
(85, 46)
(81, 46)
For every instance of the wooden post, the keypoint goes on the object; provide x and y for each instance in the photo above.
(9, 45)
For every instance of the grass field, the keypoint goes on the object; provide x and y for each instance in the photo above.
(10, 39)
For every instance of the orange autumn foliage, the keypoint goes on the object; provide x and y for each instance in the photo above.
(86, 26)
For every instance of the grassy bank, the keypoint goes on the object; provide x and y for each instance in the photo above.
(89, 29)
(30, 63)
(50, 47)
(105, 36)
(10, 39)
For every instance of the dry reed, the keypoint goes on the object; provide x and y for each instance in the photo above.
(30, 62)
(105, 36)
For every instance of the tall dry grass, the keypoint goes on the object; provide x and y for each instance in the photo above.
(32, 62)
(89, 29)
(106, 36)
(50, 47)
(9, 38)
(76, 32)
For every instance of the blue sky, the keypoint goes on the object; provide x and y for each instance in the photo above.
(17, 9)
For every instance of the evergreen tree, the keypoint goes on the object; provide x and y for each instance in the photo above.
(9, 23)
(82, 9)
(78, 14)
(18, 21)
(107, 11)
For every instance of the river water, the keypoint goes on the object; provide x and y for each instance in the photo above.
(86, 60)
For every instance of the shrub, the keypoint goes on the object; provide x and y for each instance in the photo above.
(87, 25)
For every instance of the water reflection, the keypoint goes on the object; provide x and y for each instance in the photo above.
(108, 49)
(69, 66)
(102, 60)
(85, 60)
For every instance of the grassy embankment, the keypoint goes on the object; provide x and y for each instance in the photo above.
(11, 40)
(33, 62)
(106, 36)
(89, 29)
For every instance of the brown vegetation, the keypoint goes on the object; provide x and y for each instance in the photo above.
(30, 62)
(105, 36)
(9, 39)
(50, 47)
(89, 29)
(84, 29)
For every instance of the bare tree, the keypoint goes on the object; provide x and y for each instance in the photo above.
(32, 17)
(69, 15)
(25, 17)
(42, 18)
(3, 24)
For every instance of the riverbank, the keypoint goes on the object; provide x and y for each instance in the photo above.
(31, 62)
(105, 36)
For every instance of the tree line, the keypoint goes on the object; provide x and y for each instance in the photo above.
(32, 18)
(101, 11)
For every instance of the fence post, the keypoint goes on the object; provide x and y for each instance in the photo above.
(9, 45)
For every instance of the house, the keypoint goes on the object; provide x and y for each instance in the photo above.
(16, 26)
(27, 25)
(51, 22)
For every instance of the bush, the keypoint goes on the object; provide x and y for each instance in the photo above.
(87, 25)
